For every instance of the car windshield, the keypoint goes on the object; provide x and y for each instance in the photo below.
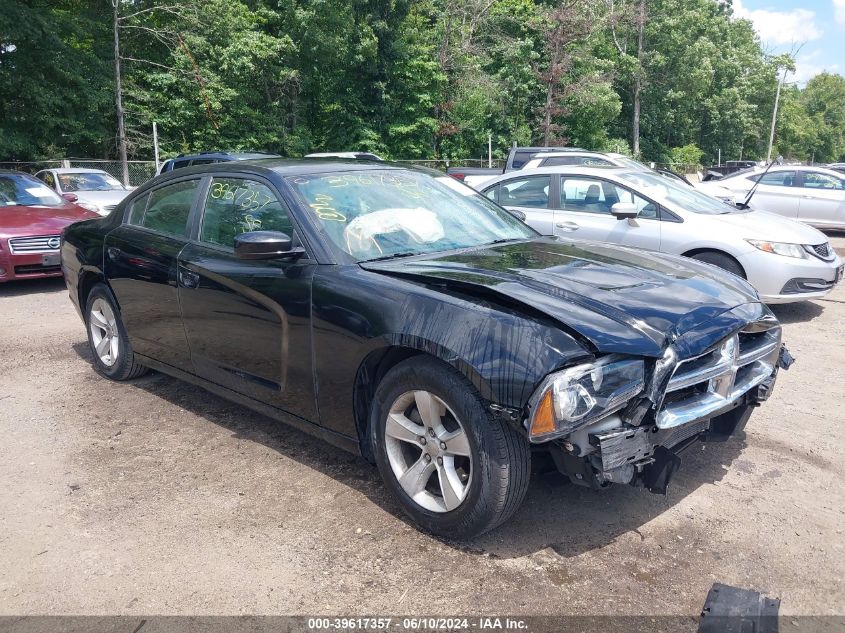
(664, 189)
(88, 181)
(387, 213)
(26, 191)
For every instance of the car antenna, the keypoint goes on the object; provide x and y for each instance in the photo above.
(744, 204)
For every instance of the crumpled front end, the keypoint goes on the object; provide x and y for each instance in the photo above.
(704, 387)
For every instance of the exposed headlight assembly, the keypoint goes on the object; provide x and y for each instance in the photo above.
(581, 395)
(780, 248)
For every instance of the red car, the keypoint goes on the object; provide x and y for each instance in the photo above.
(32, 218)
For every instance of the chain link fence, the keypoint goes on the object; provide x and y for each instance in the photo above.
(139, 170)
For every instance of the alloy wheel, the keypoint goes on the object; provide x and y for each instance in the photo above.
(428, 451)
(104, 334)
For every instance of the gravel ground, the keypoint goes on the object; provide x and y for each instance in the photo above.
(155, 497)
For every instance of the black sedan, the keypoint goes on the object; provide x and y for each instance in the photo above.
(400, 315)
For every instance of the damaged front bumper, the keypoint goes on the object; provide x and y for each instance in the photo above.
(708, 397)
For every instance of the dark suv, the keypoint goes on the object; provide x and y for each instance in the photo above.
(207, 158)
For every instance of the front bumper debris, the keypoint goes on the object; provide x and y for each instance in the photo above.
(648, 455)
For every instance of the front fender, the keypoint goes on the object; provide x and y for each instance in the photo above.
(502, 351)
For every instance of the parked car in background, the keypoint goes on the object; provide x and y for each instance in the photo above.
(447, 341)
(611, 159)
(350, 155)
(517, 158)
(813, 195)
(32, 218)
(728, 167)
(784, 260)
(837, 167)
(209, 158)
(92, 189)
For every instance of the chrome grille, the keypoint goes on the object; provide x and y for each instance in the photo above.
(42, 244)
(704, 384)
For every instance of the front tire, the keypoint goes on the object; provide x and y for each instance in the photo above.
(113, 355)
(725, 262)
(455, 469)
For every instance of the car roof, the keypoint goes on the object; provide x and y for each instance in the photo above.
(577, 170)
(225, 154)
(14, 171)
(569, 152)
(292, 167)
(76, 170)
(777, 168)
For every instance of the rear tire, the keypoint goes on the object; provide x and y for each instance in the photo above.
(455, 469)
(725, 262)
(113, 355)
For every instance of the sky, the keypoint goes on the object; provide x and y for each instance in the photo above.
(816, 26)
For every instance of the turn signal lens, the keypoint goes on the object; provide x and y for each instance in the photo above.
(543, 421)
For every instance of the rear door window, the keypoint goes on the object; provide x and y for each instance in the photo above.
(532, 191)
(168, 208)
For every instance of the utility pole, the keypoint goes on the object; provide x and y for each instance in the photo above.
(775, 115)
(489, 150)
(118, 96)
(155, 144)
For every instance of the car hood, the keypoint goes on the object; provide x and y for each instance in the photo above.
(619, 299)
(762, 225)
(102, 197)
(23, 221)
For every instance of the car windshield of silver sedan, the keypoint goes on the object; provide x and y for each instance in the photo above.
(666, 190)
(90, 181)
(25, 191)
(379, 214)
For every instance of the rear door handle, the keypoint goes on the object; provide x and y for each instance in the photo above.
(567, 226)
(188, 279)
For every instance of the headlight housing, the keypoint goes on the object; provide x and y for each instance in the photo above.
(780, 248)
(581, 395)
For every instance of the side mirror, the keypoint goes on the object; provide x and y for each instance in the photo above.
(265, 245)
(624, 211)
(519, 215)
(70, 197)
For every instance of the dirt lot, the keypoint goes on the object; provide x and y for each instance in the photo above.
(154, 497)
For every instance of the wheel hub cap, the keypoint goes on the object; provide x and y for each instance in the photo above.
(428, 451)
(103, 328)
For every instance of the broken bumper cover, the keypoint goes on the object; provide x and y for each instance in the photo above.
(649, 455)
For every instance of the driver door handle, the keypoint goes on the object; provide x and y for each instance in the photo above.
(188, 279)
(567, 226)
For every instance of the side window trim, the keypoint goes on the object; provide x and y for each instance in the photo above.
(148, 194)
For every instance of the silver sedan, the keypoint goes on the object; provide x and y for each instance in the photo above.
(784, 260)
(813, 195)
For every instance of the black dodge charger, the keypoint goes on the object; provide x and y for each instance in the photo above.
(398, 314)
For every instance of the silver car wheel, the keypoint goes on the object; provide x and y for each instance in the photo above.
(428, 451)
(104, 334)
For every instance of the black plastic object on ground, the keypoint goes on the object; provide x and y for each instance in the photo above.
(734, 610)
